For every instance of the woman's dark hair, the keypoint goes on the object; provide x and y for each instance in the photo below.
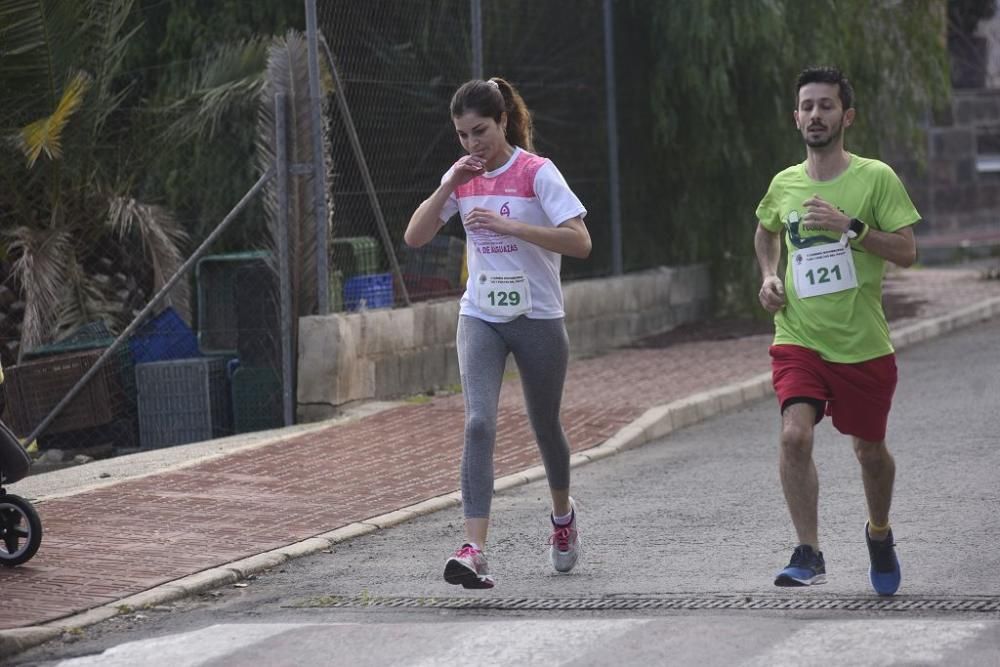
(490, 99)
(826, 75)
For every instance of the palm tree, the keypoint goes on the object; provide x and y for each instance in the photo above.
(287, 73)
(83, 244)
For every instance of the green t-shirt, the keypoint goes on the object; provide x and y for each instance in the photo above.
(847, 326)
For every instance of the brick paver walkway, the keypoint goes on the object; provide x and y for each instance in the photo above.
(105, 544)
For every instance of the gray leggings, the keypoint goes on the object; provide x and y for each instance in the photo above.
(541, 350)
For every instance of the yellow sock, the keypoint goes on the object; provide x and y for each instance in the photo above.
(877, 529)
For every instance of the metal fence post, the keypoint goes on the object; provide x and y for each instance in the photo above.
(476, 11)
(614, 182)
(319, 167)
(284, 262)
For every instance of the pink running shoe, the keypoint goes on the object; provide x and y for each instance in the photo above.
(467, 566)
(565, 541)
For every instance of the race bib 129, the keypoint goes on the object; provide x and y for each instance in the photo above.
(503, 294)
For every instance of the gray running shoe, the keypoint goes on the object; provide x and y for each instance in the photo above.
(467, 567)
(565, 541)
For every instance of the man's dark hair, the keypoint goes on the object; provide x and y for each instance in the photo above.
(826, 75)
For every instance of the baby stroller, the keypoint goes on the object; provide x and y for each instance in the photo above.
(20, 527)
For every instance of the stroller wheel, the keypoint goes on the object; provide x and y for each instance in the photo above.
(20, 530)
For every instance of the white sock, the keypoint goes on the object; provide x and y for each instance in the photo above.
(563, 520)
(474, 546)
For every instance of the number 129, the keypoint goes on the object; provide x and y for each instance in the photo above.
(504, 298)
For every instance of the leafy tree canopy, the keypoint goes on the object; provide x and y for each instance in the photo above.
(709, 94)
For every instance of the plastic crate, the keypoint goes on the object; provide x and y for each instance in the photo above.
(90, 336)
(354, 255)
(181, 401)
(34, 388)
(163, 338)
(93, 336)
(443, 257)
(421, 288)
(216, 280)
(257, 400)
(258, 339)
(374, 291)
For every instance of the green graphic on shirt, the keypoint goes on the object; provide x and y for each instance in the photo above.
(792, 223)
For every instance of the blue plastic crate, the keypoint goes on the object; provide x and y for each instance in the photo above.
(163, 338)
(372, 291)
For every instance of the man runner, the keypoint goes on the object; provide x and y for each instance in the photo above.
(842, 216)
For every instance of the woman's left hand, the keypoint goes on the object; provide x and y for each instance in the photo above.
(480, 219)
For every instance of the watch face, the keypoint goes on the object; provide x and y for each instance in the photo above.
(855, 228)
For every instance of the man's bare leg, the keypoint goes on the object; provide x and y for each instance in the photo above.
(878, 473)
(799, 480)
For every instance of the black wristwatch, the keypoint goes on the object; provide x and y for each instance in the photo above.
(857, 229)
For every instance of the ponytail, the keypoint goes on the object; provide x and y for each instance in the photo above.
(519, 124)
(492, 98)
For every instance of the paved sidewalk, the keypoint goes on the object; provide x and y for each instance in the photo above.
(169, 533)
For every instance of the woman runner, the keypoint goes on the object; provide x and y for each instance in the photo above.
(520, 217)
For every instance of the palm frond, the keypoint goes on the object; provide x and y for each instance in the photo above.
(43, 260)
(41, 45)
(161, 237)
(231, 79)
(107, 42)
(84, 300)
(45, 135)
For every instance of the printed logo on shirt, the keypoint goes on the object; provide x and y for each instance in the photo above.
(505, 209)
(793, 222)
(491, 243)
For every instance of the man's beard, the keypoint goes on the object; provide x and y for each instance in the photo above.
(826, 141)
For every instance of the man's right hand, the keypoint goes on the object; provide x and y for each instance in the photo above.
(772, 294)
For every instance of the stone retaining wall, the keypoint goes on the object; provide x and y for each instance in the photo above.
(387, 353)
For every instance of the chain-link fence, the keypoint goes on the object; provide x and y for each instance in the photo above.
(166, 376)
(204, 359)
(399, 62)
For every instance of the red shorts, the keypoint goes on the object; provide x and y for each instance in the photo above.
(857, 396)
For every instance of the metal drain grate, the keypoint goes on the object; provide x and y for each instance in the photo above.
(987, 605)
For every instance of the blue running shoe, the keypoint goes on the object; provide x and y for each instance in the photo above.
(805, 569)
(884, 571)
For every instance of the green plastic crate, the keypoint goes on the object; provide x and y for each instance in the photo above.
(336, 291)
(354, 255)
(256, 399)
(216, 280)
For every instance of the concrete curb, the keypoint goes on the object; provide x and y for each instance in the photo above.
(655, 423)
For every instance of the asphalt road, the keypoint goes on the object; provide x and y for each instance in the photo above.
(694, 525)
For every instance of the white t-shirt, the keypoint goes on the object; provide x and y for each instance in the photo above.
(529, 189)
